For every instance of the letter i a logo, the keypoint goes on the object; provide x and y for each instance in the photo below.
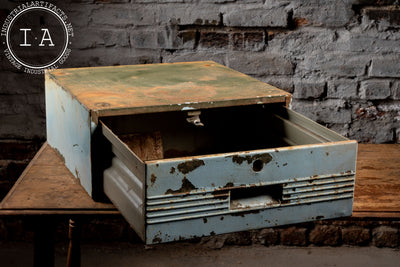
(37, 36)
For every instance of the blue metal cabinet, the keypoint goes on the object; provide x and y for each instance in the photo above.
(192, 149)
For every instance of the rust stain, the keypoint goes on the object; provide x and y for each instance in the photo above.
(153, 179)
(228, 185)
(298, 22)
(172, 170)
(189, 166)
(265, 158)
(243, 213)
(186, 187)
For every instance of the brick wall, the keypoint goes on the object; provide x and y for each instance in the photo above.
(340, 59)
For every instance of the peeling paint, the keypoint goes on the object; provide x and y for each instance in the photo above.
(265, 158)
(153, 179)
(189, 166)
(186, 187)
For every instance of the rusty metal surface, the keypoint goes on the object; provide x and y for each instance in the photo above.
(47, 187)
(163, 87)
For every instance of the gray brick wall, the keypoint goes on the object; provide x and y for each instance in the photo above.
(340, 59)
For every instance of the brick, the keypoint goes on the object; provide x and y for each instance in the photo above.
(328, 111)
(190, 14)
(340, 128)
(304, 43)
(214, 40)
(325, 235)
(322, 13)
(355, 236)
(373, 125)
(372, 41)
(144, 39)
(281, 82)
(336, 64)
(111, 1)
(390, 14)
(248, 41)
(396, 90)
(268, 236)
(342, 88)
(260, 63)
(259, 16)
(168, 38)
(372, 131)
(195, 56)
(188, 38)
(385, 67)
(293, 236)
(93, 37)
(374, 2)
(110, 56)
(385, 236)
(375, 89)
(309, 89)
(123, 16)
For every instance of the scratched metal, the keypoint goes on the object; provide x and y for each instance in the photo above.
(225, 223)
(69, 129)
(126, 191)
(163, 87)
(196, 199)
(236, 169)
(179, 198)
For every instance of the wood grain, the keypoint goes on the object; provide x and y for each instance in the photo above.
(47, 185)
(377, 179)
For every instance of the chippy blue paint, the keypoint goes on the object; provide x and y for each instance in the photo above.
(317, 182)
(286, 164)
(225, 223)
(69, 130)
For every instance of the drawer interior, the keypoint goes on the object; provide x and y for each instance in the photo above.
(170, 134)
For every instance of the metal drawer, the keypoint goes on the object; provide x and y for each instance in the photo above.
(248, 167)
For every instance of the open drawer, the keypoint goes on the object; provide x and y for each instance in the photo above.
(246, 167)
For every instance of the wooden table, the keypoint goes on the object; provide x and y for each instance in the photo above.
(47, 188)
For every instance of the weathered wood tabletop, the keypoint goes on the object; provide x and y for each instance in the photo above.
(47, 187)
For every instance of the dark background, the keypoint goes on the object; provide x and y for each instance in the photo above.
(340, 59)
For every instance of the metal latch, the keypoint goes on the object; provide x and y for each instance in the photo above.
(194, 118)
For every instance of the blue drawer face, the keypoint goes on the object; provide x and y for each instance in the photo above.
(301, 171)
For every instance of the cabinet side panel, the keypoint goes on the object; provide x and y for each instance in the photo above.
(68, 131)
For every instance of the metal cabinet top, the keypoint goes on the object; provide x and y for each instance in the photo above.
(121, 90)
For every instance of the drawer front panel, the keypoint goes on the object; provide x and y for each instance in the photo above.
(225, 223)
(262, 167)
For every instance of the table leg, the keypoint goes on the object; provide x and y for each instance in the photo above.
(43, 250)
(74, 248)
